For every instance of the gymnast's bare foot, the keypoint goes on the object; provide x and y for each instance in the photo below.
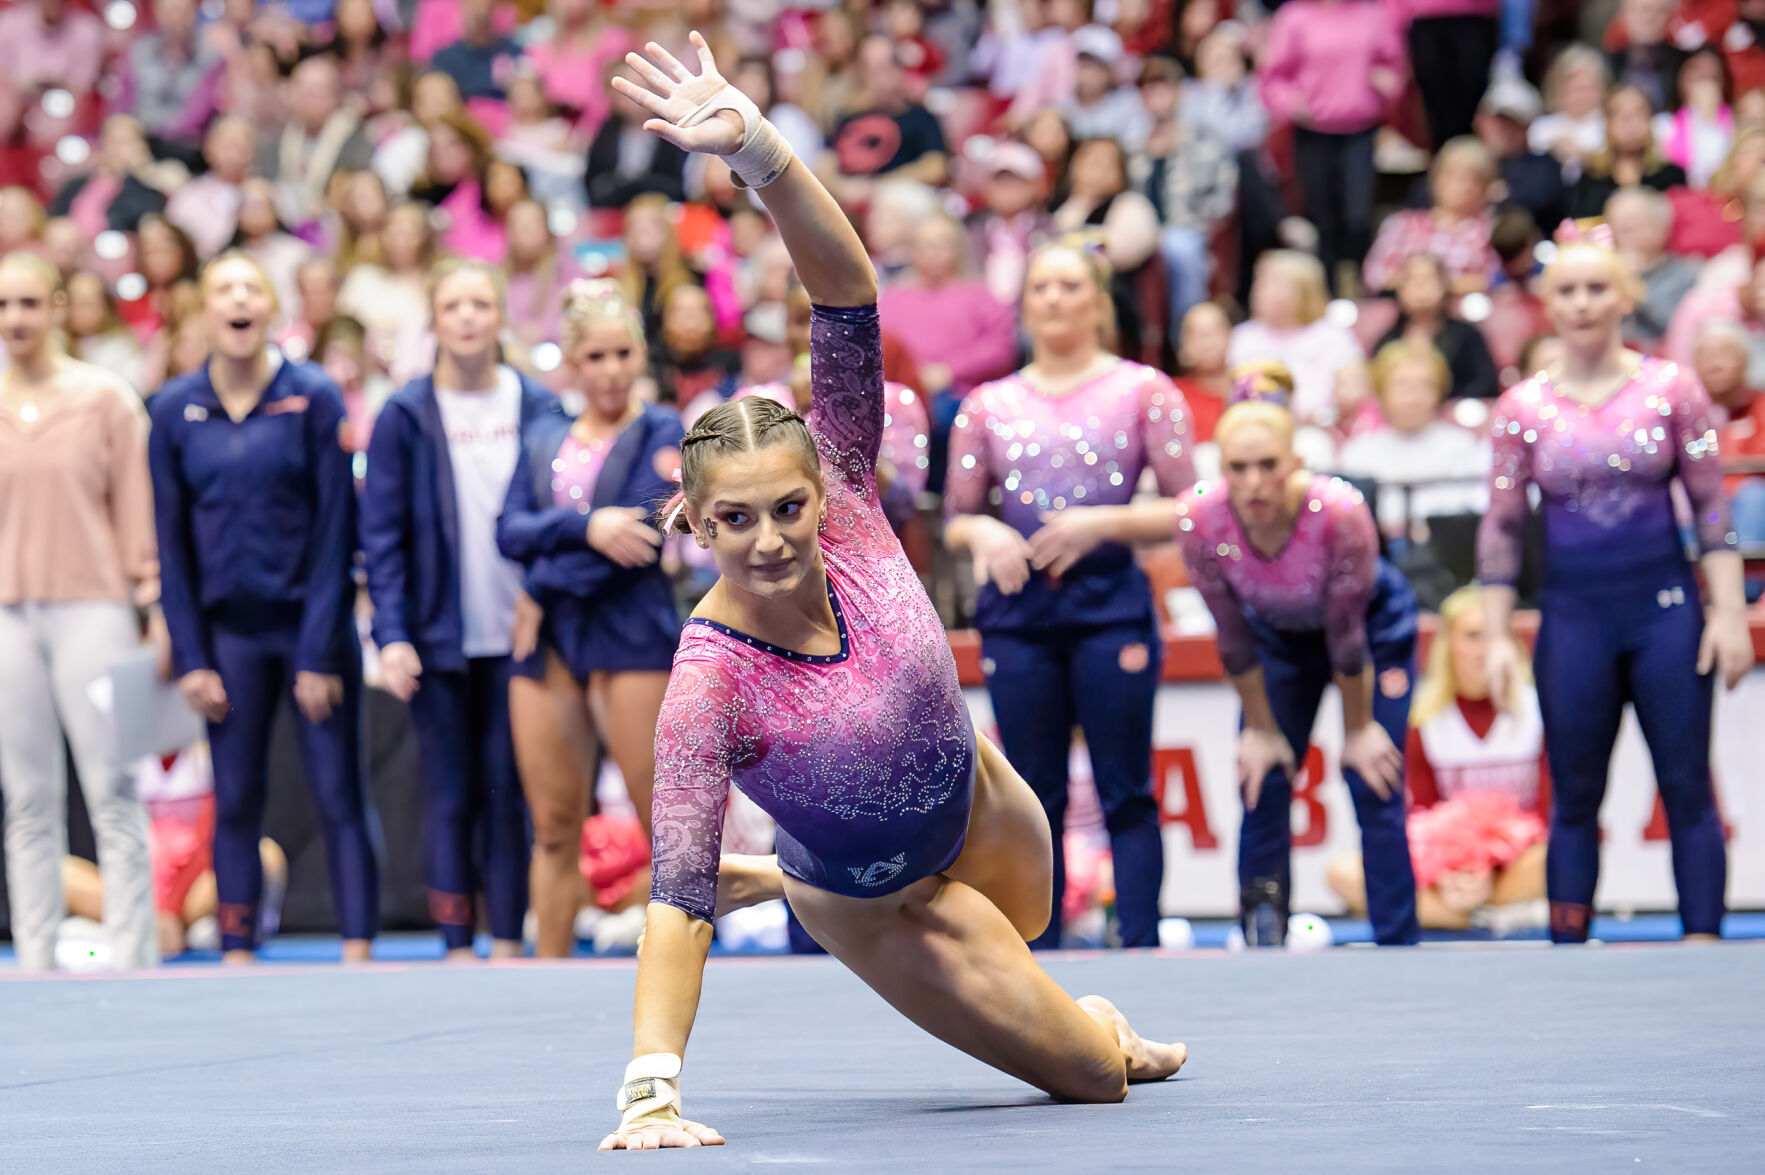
(745, 880)
(1147, 1060)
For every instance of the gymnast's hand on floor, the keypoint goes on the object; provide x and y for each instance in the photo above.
(1371, 752)
(672, 93)
(1065, 537)
(317, 694)
(658, 1131)
(202, 688)
(1260, 752)
(1000, 554)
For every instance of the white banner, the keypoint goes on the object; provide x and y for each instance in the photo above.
(1195, 743)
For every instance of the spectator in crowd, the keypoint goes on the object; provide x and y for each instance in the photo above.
(654, 266)
(388, 295)
(1717, 219)
(542, 142)
(1070, 639)
(1012, 221)
(362, 47)
(577, 520)
(1287, 324)
(398, 158)
(1647, 59)
(361, 218)
(21, 220)
(1729, 359)
(1424, 465)
(96, 333)
(77, 557)
(1102, 207)
(173, 75)
(256, 526)
(1205, 335)
(483, 59)
(1642, 221)
(1193, 184)
(1451, 45)
(1629, 158)
(116, 193)
(957, 333)
(828, 86)
(341, 348)
(537, 273)
(1100, 106)
(1424, 319)
(450, 653)
(1329, 69)
(888, 135)
(1525, 177)
(1221, 100)
(625, 161)
(690, 361)
(263, 237)
(454, 184)
(1744, 45)
(755, 77)
(437, 24)
(322, 136)
(166, 258)
(1478, 784)
(24, 156)
(1454, 230)
(207, 207)
(1698, 133)
(573, 61)
(1575, 126)
(51, 44)
(317, 283)
(66, 246)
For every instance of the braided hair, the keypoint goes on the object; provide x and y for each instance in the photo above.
(737, 426)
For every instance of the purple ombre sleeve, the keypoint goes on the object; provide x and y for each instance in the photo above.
(1500, 534)
(1167, 428)
(846, 390)
(1353, 554)
(697, 735)
(1699, 467)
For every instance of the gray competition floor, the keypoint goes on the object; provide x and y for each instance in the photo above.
(1436, 1059)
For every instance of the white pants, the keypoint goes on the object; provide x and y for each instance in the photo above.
(49, 654)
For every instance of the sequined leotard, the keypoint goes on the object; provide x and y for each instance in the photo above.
(1604, 474)
(1323, 579)
(865, 758)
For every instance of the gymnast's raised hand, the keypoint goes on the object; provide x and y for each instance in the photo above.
(677, 97)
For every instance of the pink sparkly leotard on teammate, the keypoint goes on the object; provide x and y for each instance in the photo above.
(865, 758)
(1603, 473)
(1323, 579)
(1019, 453)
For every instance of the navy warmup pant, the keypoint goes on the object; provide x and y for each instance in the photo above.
(475, 820)
(1041, 684)
(257, 670)
(1296, 669)
(1600, 645)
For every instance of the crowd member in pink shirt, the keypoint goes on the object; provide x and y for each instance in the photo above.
(51, 43)
(1329, 68)
(1455, 229)
(208, 206)
(957, 333)
(1287, 323)
(573, 62)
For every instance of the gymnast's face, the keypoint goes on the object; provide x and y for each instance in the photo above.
(1257, 464)
(766, 504)
(1586, 296)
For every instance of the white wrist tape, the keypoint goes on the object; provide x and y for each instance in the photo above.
(652, 1086)
(764, 154)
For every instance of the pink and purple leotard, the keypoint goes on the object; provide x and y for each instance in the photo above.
(865, 758)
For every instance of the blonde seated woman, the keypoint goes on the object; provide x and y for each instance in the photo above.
(1478, 783)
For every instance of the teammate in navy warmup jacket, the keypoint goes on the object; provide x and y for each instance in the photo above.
(439, 464)
(255, 511)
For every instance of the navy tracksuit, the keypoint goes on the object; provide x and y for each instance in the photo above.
(1296, 671)
(476, 835)
(1066, 654)
(599, 616)
(255, 520)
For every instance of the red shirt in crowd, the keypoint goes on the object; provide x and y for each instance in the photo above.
(1439, 766)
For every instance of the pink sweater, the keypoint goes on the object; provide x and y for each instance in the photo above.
(1316, 68)
(960, 326)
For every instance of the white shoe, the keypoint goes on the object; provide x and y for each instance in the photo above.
(1175, 934)
(83, 954)
(204, 934)
(618, 933)
(1515, 916)
(588, 919)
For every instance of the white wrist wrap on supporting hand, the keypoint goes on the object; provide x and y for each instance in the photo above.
(652, 1086)
(764, 154)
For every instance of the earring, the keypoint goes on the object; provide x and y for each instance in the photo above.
(700, 539)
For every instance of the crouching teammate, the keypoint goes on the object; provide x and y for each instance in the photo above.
(816, 676)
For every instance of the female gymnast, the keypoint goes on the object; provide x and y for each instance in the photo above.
(577, 519)
(1289, 565)
(1071, 432)
(1602, 435)
(255, 505)
(439, 465)
(816, 676)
